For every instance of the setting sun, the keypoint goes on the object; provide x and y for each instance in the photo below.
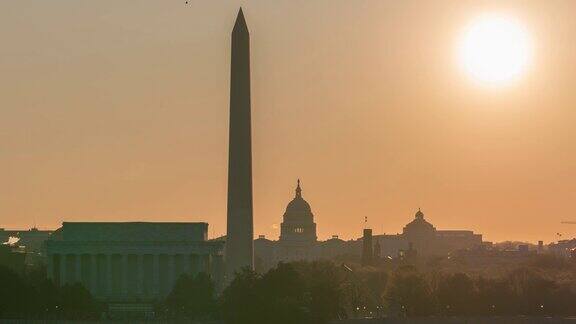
(495, 49)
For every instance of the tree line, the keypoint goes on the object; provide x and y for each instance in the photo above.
(319, 292)
(310, 292)
(32, 296)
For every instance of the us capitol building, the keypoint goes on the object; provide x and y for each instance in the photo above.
(298, 240)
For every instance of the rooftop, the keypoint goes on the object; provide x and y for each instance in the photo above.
(131, 231)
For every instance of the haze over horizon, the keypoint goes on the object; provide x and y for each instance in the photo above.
(113, 111)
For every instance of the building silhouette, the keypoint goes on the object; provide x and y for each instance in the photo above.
(298, 221)
(298, 240)
(367, 247)
(239, 231)
(298, 230)
(136, 261)
(426, 240)
(30, 243)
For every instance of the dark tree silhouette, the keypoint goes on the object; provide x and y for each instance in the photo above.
(456, 295)
(77, 302)
(13, 294)
(34, 296)
(240, 300)
(325, 286)
(193, 298)
(290, 293)
(494, 297)
(409, 294)
(310, 293)
(283, 292)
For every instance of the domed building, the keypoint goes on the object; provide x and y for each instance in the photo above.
(298, 240)
(420, 233)
(298, 222)
(422, 236)
(419, 227)
(297, 231)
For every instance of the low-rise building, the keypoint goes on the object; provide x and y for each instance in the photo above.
(30, 242)
(564, 248)
(131, 261)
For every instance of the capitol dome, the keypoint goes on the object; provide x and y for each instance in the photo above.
(298, 221)
(298, 205)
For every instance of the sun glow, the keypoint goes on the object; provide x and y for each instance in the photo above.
(495, 49)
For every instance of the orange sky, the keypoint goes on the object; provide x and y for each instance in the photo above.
(118, 110)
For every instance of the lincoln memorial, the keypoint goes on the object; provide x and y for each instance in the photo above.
(131, 261)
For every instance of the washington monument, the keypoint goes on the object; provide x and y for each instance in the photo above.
(239, 244)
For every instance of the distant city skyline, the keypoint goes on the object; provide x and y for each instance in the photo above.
(121, 118)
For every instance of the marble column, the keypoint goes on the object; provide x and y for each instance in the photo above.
(170, 278)
(209, 264)
(140, 275)
(195, 264)
(93, 259)
(125, 275)
(78, 268)
(156, 274)
(201, 263)
(109, 274)
(212, 268)
(63, 269)
(186, 264)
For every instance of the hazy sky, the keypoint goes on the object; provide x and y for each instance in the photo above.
(118, 111)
